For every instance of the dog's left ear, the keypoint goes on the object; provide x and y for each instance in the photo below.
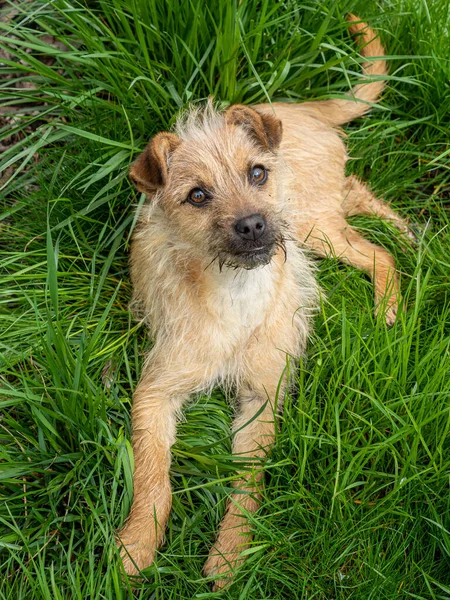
(265, 128)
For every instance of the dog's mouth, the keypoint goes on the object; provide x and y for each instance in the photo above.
(257, 257)
(249, 258)
(234, 250)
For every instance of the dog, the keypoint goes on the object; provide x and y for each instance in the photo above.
(222, 277)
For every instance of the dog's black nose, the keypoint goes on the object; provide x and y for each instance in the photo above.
(250, 228)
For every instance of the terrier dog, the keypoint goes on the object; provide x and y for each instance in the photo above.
(223, 281)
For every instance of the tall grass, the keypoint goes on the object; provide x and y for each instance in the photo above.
(357, 495)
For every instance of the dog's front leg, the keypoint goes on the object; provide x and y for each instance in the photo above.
(158, 397)
(253, 438)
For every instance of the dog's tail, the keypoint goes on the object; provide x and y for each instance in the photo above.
(360, 98)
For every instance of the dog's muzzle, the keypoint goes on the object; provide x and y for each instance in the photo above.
(247, 243)
(253, 244)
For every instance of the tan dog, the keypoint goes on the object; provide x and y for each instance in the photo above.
(221, 278)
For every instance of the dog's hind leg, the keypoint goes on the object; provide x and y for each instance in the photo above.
(359, 200)
(338, 239)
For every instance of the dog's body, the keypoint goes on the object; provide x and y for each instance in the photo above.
(221, 278)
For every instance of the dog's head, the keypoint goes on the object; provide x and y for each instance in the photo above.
(216, 181)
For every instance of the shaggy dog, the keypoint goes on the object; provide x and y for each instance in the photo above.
(222, 279)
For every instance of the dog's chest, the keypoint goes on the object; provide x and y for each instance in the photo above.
(242, 298)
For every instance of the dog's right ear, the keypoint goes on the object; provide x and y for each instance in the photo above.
(149, 171)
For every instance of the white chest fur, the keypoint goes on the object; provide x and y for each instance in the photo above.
(242, 297)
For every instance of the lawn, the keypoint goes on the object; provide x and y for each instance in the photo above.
(356, 503)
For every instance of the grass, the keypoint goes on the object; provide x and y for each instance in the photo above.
(356, 504)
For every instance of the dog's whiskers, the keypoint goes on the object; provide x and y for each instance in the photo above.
(213, 261)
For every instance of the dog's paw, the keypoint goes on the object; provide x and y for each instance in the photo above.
(389, 313)
(136, 553)
(221, 567)
(410, 234)
(226, 555)
(417, 231)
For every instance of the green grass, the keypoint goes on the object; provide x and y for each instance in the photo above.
(356, 504)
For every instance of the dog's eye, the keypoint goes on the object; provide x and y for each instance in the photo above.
(258, 175)
(197, 196)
